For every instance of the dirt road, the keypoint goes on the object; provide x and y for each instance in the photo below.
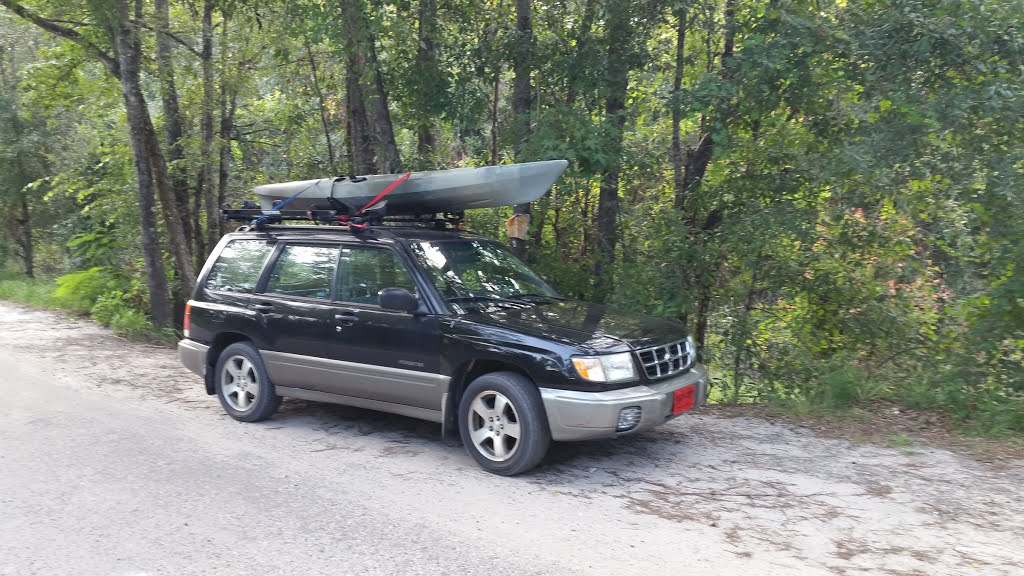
(114, 461)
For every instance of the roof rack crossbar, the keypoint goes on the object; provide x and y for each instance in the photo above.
(260, 219)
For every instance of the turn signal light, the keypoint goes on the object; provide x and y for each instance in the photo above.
(188, 317)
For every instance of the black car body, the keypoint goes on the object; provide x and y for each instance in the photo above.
(372, 319)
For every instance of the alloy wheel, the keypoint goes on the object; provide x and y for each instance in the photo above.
(240, 383)
(494, 426)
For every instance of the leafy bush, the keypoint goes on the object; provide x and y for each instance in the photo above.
(108, 307)
(81, 290)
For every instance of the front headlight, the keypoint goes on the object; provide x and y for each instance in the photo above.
(608, 368)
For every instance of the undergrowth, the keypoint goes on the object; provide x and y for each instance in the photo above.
(86, 294)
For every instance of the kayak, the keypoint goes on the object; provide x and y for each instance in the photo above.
(429, 192)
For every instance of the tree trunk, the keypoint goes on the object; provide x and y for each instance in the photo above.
(677, 83)
(522, 65)
(360, 143)
(696, 168)
(173, 123)
(617, 82)
(364, 71)
(729, 32)
(427, 81)
(128, 62)
(382, 132)
(179, 243)
(576, 68)
(209, 193)
(228, 105)
(27, 254)
(23, 229)
(331, 164)
(494, 116)
(197, 225)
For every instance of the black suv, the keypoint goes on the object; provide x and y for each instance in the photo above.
(434, 324)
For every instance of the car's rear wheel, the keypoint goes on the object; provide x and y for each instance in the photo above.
(503, 423)
(243, 387)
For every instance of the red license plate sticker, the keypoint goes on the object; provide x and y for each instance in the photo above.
(682, 399)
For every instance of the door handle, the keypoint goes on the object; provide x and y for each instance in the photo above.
(346, 319)
(263, 307)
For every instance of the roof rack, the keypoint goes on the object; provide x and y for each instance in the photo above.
(260, 219)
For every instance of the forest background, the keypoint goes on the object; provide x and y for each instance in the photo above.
(829, 193)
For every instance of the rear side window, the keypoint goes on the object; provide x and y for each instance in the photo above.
(306, 271)
(364, 272)
(237, 269)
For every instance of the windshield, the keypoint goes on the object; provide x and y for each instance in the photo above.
(467, 271)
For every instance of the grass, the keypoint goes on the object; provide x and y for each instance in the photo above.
(899, 441)
(126, 322)
(32, 292)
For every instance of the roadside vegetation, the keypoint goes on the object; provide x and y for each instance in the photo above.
(830, 194)
(78, 294)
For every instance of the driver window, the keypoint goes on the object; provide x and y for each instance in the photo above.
(364, 272)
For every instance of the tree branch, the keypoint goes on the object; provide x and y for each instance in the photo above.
(64, 32)
(167, 33)
(70, 22)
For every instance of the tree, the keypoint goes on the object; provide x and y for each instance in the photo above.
(522, 66)
(371, 131)
(123, 64)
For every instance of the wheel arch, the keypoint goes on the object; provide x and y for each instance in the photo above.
(220, 342)
(466, 373)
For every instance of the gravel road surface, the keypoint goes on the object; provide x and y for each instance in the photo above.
(113, 461)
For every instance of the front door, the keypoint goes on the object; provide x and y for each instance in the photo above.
(386, 355)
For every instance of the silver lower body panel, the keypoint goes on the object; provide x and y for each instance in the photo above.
(576, 415)
(402, 409)
(192, 355)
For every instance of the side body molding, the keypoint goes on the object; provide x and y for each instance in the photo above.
(344, 382)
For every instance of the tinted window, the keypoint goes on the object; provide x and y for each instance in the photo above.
(238, 267)
(304, 271)
(365, 272)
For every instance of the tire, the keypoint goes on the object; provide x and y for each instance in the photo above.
(494, 408)
(242, 384)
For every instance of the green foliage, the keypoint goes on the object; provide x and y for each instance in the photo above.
(856, 236)
(29, 291)
(81, 290)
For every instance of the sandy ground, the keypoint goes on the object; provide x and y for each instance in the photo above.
(113, 460)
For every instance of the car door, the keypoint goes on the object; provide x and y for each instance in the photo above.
(385, 355)
(294, 309)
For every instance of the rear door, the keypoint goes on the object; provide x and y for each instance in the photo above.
(293, 305)
(222, 303)
(382, 354)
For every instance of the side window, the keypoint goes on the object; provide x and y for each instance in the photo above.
(364, 272)
(306, 271)
(237, 269)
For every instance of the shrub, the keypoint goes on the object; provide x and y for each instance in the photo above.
(81, 290)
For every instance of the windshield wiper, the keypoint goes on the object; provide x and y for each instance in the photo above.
(531, 296)
(490, 299)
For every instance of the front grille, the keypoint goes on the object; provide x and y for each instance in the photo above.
(662, 361)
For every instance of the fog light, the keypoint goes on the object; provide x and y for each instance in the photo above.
(629, 418)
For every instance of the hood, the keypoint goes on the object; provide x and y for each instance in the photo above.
(601, 328)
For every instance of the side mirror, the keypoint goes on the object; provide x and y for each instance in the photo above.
(398, 299)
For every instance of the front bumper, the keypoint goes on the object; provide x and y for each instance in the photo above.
(587, 415)
(193, 355)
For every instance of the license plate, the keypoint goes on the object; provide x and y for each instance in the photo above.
(682, 399)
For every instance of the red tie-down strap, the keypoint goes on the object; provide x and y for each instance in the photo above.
(384, 193)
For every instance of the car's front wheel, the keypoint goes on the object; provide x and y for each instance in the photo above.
(503, 423)
(243, 386)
